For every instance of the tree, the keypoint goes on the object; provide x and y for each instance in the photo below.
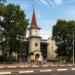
(1, 16)
(2, 6)
(15, 25)
(63, 35)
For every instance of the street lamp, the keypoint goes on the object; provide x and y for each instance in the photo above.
(73, 47)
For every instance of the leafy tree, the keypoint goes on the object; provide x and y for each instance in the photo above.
(1, 18)
(1, 29)
(15, 25)
(2, 6)
(63, 35)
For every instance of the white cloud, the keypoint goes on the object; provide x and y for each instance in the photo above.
(57, 2)
(51, 3)
(54, 2)
(37, 2)
(69, 1)
(44, 2)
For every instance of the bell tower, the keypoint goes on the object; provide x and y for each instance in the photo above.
(34, 30)
(34, 38)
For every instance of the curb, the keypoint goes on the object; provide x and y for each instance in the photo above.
(26, 66)
(32, 71)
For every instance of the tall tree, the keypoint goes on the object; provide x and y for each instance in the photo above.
(2, 6)
(15, 25)
(63, 35)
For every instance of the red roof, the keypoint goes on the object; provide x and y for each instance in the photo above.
(33, 22)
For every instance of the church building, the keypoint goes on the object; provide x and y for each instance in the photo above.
(34, 47)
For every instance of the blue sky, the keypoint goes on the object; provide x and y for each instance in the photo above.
(47, 12)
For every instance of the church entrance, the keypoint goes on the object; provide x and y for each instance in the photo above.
(36, 57)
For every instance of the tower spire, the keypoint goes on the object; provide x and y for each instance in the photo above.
(33, 21)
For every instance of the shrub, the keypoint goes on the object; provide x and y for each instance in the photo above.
(11, 59)
(1, 58)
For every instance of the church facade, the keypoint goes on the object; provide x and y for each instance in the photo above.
(34, 47)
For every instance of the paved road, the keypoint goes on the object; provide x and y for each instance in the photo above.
(50, 73)
(49, 70)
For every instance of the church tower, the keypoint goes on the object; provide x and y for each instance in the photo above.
(34, 39)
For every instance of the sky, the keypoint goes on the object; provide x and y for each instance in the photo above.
(47, 12)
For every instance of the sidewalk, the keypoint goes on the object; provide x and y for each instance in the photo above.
(26, 65)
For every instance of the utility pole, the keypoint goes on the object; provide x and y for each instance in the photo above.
(73, 47)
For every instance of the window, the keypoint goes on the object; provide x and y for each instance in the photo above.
(36, 44)
(36, 32)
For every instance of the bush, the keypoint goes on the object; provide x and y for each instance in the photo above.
(11, 59)
(1, 58)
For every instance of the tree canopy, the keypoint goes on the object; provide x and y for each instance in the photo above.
(63, 35)
(14, 24)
